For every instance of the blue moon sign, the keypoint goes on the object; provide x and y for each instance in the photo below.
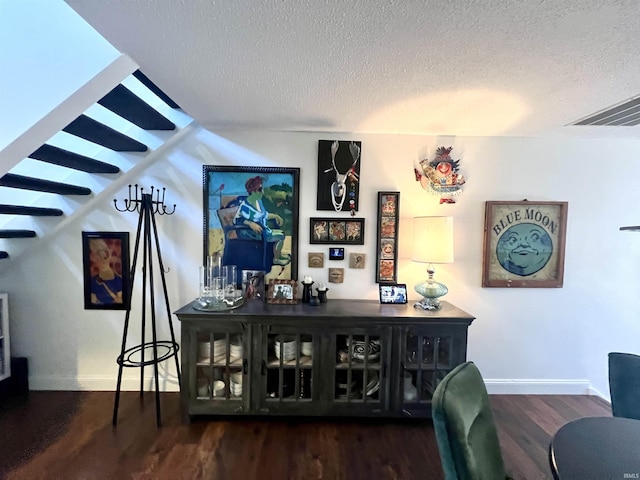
(524, 249)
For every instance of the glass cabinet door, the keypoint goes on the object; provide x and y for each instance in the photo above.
(359, 360)
(427, 358)
(221, 367)
(287, 369)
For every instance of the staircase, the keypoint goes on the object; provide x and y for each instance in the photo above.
(131, 109)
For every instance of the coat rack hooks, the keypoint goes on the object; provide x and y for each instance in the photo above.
(134, 203)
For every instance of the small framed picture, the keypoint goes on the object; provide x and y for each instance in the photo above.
(393, 293)
(253, 284)
(336, 253)
(282, 291)
(357, 260)
(316, 259)
(336, 275)
(337, 231)
(105, 265)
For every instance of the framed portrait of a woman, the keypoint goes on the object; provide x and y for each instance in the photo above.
(251, 218)
(107, 279)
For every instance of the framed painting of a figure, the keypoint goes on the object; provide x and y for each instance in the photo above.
(251, 218)
(107, 279)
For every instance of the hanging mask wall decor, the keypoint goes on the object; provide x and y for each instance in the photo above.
(441, 176)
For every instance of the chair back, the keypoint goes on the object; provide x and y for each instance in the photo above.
(465, 430)
(624, 384)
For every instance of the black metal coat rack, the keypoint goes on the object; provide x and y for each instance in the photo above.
(147, 207)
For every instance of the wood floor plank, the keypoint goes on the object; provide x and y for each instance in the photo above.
(69, 436)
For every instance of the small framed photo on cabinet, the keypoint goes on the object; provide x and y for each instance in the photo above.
(393, 293)
(282, 291)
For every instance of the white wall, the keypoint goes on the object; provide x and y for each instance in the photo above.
(523, 340)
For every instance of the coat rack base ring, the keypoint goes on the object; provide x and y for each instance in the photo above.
(171, 349)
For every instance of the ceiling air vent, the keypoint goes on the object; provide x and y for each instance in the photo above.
(625, 114)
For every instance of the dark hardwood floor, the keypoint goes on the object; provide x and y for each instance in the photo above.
(68, 436)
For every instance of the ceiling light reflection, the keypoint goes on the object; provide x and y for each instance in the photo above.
(455, 112)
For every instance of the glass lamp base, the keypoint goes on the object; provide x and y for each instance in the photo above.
(428, 304)
(431, 291)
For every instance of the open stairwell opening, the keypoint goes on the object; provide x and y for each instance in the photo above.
(92, 150)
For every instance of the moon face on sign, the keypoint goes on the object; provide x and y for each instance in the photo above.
(524, 249)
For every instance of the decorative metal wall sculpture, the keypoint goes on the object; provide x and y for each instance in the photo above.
(441, 176)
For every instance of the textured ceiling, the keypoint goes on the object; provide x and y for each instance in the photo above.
(459, 67)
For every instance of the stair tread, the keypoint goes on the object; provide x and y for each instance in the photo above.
(8, 233)
(96, 132)
(40, 185)
(129, 106)
(155, 89)
(34, 211)
(65, 158)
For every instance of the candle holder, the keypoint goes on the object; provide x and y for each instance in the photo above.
(306, 291)
(322, 294)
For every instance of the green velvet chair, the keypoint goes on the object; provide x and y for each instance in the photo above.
(465, 431)
(624, 384)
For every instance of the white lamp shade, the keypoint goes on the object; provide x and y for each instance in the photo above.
(432, 240)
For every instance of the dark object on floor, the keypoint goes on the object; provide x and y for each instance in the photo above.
(18, 383)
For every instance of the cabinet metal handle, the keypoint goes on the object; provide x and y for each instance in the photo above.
(384, 370)
(244, 366)
(264, 368)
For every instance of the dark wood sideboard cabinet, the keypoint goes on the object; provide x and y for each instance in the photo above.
(341, 358)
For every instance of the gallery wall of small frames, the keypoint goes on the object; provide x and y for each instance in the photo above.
(356, 260)
(332, 231)
(337, 190)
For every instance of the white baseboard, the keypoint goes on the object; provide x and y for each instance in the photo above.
(90, 383)
(170, 384)
(534, 386)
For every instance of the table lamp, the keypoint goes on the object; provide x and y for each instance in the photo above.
(432, 243)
